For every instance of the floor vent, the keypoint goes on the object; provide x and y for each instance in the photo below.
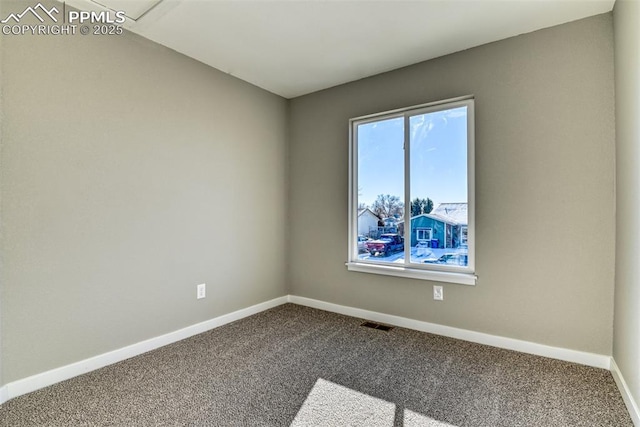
(377, 326)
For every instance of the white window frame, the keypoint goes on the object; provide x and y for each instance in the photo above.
(464, 241)
(435, 272)
(422, 231)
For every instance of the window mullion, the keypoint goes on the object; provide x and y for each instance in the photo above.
(407, 191)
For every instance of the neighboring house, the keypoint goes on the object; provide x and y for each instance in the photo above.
(367, 223)
(457, 213)
(390, 222)
(444, 227)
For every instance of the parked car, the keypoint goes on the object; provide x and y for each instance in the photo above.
(451, 259)
(362, 243)
(385, 245)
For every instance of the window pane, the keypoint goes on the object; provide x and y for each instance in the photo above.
(380, 190)
(438, 187)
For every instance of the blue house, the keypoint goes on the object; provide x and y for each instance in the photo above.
(444, 227)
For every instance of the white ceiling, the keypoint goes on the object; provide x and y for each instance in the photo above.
(293, 47)
(134, 9)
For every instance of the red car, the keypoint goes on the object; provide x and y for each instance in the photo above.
(385, 245)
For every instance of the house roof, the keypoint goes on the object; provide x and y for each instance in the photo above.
(451, 213)
(455, 212)
(362, 211)
(432, 216)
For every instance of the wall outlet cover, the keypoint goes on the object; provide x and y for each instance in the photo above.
(201, 291)
(438, 293)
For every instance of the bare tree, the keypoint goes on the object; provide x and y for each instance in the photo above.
(387, 206)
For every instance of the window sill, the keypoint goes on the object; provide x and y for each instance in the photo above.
(414, 273)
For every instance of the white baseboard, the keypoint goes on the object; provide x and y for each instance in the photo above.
(583, 358)
(632, 405)
(4, 394)
(44, 379)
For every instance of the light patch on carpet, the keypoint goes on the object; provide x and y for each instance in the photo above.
(330, 404)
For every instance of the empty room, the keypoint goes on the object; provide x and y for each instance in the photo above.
(320, 213)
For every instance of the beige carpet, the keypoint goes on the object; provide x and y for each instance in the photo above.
(298, 366)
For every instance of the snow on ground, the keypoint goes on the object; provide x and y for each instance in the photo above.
(417, 255)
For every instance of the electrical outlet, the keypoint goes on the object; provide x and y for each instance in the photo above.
(202, 291)
(438, 293)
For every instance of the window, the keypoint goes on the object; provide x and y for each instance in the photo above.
(414, 169)
(423, 234)
(463, 235)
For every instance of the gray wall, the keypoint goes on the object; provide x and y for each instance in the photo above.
(129, 174)
(626, 343)
(544, 187)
